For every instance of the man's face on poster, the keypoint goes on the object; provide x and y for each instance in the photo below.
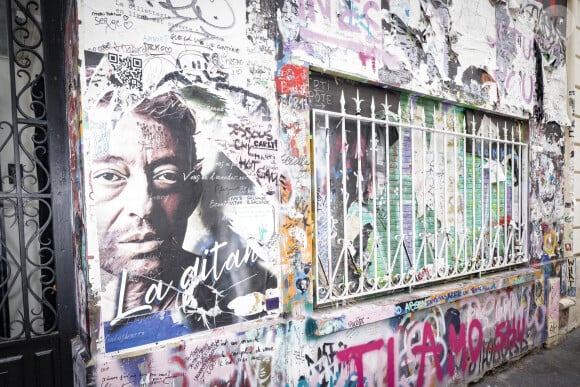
(139, 194)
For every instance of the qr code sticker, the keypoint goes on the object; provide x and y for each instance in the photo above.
(128, 70)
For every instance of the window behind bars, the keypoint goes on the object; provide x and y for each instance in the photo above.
(410, 191)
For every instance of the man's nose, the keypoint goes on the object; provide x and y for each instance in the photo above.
(139, 200)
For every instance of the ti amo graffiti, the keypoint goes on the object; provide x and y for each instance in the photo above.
(433, 358)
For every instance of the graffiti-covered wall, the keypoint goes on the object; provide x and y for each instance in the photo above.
(198, 178)
(460, 339)
(430, 346)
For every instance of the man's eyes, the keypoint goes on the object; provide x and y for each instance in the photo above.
(109, 177)
(165, 176)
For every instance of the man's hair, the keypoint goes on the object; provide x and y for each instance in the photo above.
(170, 110)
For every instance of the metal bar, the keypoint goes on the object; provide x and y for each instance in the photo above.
(489, 199)
(344, 149)
(473, 198)
(328, 204)
(374, 196)
(419, 127)
(435, 201)
(455, 194)
(4, 271)
(464, 147)
(400, 178)
(523, 229)
(445, 182)
(424, 160)
(23, 195)
(483, 199)
(359, 181)
(328, 208)
(31, 121)
(497, 208)
(390, 257)
(413, 210)
(18, 177)
(505, 255)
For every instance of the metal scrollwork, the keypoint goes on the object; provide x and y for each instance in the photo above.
(28, 60)
(27, 259)
(33, 151)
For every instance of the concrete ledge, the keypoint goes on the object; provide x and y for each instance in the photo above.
(235, 330)
(326, 321)
(566, 302)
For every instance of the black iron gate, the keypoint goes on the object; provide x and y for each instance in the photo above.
(36, 314)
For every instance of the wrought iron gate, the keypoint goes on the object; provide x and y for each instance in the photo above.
(34, 334)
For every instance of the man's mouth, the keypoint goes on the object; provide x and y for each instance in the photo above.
(142, 243)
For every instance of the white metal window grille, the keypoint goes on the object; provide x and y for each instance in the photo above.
(400, 203)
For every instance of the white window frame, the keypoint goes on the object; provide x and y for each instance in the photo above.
(346, 269)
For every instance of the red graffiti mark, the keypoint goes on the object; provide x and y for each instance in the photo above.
(293, 80)
(474, 351)
(364, 58)
(429, 345)
(181, 373)
(457, 346)
(391, 369)
(505, 221)
(356, 353)
(509, 334)
(294, 147)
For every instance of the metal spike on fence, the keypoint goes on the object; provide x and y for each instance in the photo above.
(358, 102)
(399, 113)
(387, 107)
(505, 131)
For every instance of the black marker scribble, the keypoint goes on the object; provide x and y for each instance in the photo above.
(193, 11)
